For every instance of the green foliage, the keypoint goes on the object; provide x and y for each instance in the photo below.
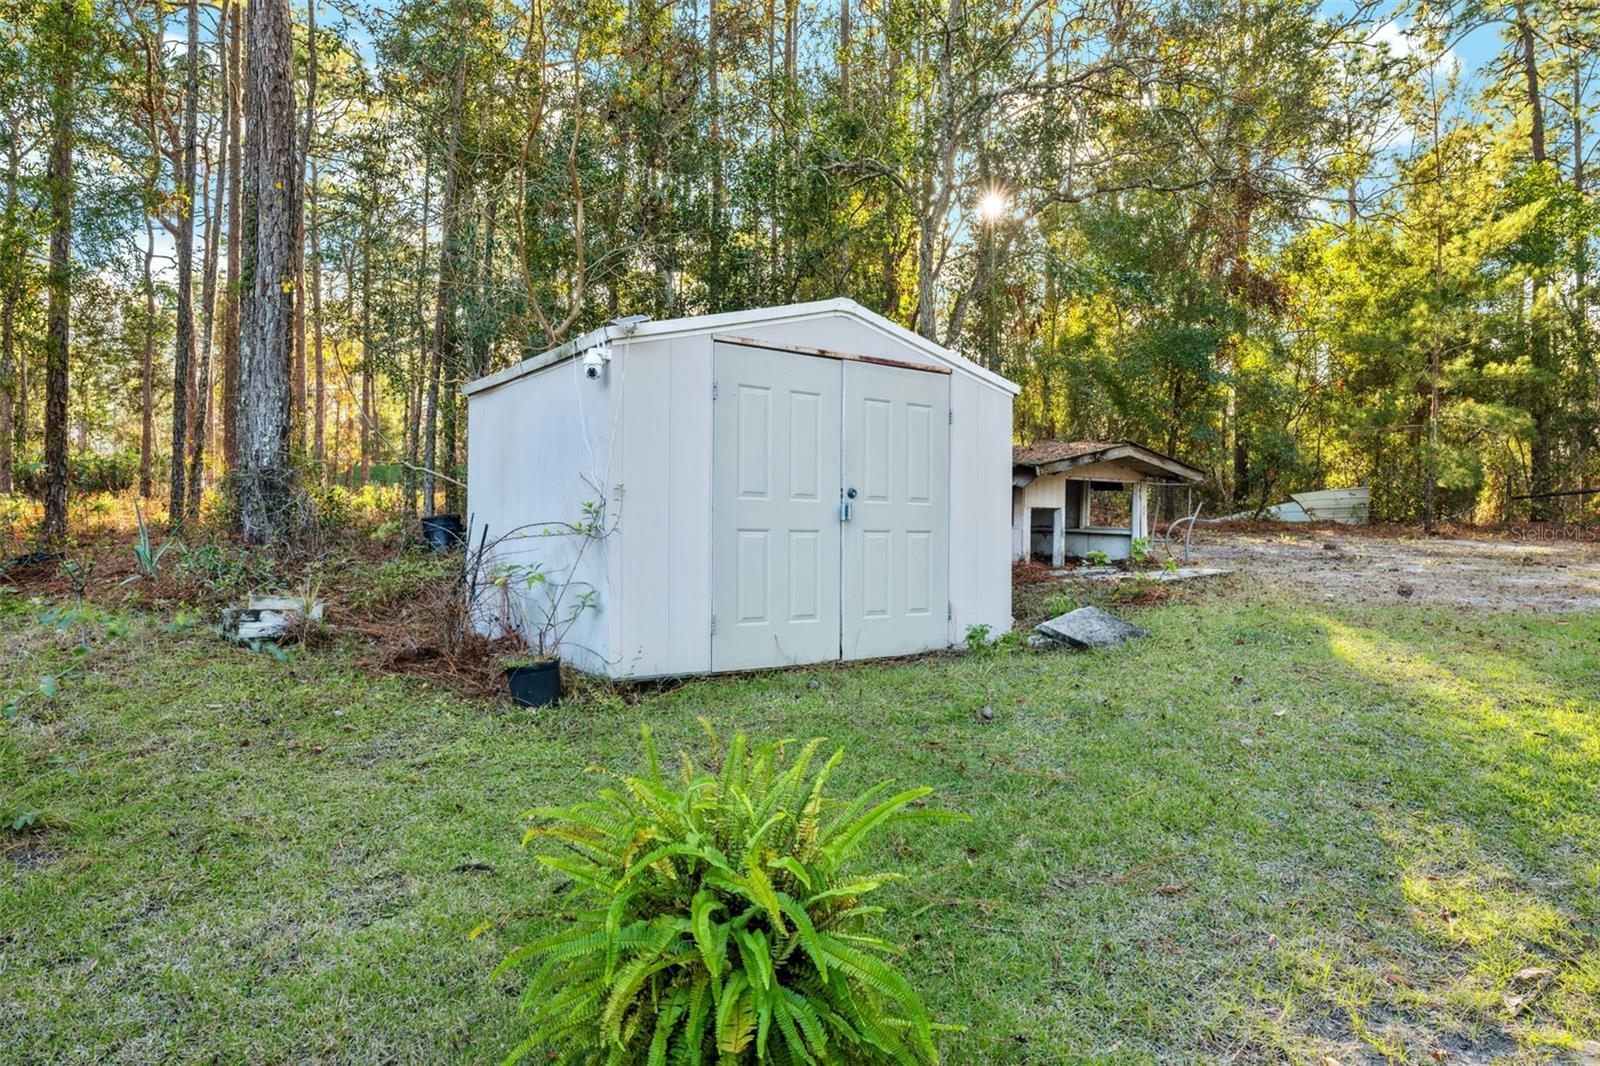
(1139, 550)
(86, 474)
(79, 572)
(1060, 603)
(146, 557)
(723, 920)
(222, 571)
(1097, 558)
(12, 509)
(978, 637)
(401, 580)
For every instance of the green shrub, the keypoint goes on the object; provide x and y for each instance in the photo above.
(723, 922)
(1097, 558)
(86, 474)
(1059, 604)
(978, 637)
(222, 571)
(401, 580)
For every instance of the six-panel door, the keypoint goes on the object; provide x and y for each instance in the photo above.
(775, 504)
(803, 571)
(896, 546)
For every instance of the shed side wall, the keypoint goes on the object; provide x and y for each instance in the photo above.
(530, 446)
(980, 507)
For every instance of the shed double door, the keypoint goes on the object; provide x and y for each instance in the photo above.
(831, 508)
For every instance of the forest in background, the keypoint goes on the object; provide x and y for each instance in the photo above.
(1299, 244)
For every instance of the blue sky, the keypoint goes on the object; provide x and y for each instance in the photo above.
(1472, 51)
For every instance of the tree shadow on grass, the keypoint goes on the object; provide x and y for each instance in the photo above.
(1486, 802)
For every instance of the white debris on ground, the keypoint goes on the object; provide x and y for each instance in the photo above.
(267, 617)
(1112, 573)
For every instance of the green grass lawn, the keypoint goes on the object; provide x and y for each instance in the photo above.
(1274, 832)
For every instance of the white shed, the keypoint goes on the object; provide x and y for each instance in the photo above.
(771, 487)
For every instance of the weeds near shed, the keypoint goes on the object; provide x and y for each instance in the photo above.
(1060, 604)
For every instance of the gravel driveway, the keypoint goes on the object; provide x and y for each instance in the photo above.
(1556, 574)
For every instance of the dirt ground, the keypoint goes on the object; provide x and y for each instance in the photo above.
(1542, 572)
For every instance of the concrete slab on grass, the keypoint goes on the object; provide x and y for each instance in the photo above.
(1088, 627)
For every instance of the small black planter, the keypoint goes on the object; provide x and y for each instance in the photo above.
(442, 531)
(535, 685)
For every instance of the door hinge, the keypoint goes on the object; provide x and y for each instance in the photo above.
(713, 388)
(949, 610)
(713, 625)
(949, 418)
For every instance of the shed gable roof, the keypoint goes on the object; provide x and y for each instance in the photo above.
(1059, 456)
(729, 321)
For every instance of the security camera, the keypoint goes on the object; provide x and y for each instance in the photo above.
(595, 360)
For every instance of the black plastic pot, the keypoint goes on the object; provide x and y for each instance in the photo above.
(535, 685)
(442, 531)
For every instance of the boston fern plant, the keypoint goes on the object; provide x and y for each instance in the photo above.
(724, 923)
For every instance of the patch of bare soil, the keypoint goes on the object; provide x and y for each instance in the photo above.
(29, 853)
(1544, 573)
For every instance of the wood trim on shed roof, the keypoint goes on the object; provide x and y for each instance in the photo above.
(730, 321)
(1059, 457)
(825, 353)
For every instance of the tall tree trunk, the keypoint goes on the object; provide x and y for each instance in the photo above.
(1541, 462)
(366, 351)
(714, 281)
(183, 352)
(844, 52)
(318, 408)
(444, 333)
(298, 380)
(147, 380)
(891, 214)
(21, 417)
(230, 316)
(202, 204)
(1580, 246)
(486, 291)
(415, 388)
(147, 392)
(11, 273)
(937, 193)
(265, 474)
(208, 287)
(1530, 73)
(58, 313)
(791, 45)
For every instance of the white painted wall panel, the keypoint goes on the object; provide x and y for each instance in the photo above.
(529, 445)
(644, 465)
(664, 588)
(689, 527)
(980, 507)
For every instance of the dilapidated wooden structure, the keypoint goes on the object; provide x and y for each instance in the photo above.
(1070, 498)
